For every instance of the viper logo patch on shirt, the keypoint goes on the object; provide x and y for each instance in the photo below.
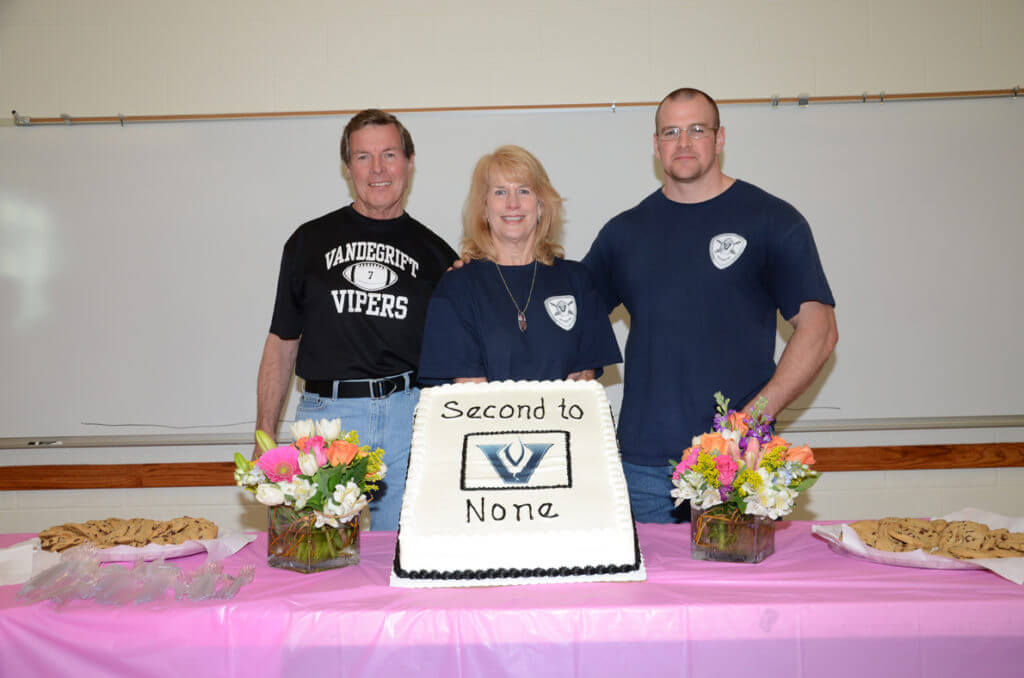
(562, 310)
(726, 248)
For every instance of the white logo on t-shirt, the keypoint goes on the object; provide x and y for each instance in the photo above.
(726, 248)
(369, 276)
(562, 310)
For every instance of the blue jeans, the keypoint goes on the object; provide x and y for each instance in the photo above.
(381, 422)
(649, 497)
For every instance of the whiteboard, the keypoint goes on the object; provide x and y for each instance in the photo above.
(138, 264)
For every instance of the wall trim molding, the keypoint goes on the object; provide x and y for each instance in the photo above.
(221, 473)
(245, 440)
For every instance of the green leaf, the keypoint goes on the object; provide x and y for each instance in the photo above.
(806, 483)
(357, 472)
(323, 484)
(264, 441)
(722, 402)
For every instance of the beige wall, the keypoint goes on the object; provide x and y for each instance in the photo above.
(103, 57)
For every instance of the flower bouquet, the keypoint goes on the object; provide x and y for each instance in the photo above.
(739, 478)
(315, 488)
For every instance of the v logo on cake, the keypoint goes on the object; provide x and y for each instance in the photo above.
(525, 460)
(517, 466)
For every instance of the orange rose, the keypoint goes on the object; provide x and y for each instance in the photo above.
(776, 441)
(737, 423)
(802, 454)
(341, 452)
(713, 441)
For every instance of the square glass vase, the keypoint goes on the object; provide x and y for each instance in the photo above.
(724, 534)
(295, 543)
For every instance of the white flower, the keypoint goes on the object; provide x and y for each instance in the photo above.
(307, 463)
(346, 501)
(325, 519)
(695, 441)
(682, 491)
(346, 496)
(254, 476)
(731, 434)
(329, 429)
(301, 429)
(269, 494)
(755, 508)
(303, 491)
(710, 497)
(771, 501)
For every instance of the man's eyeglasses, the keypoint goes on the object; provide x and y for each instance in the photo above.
(695, 131)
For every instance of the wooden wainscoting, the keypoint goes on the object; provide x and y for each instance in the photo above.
(217, 473)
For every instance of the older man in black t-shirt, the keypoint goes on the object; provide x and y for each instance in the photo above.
(351, 303)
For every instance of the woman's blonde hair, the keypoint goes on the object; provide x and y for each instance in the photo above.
(518, 165)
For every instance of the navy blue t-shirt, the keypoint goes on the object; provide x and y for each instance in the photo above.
(702, 283)
(472, 331)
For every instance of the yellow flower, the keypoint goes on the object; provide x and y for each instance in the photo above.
(375, 468)
(772, 460)
(706, 467)
(747, 478)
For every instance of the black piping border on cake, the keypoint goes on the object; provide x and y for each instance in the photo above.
(516, 572)
(568, 463)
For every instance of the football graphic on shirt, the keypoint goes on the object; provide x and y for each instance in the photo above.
(370, 276)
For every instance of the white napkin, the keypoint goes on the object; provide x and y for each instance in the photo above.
(22, 560)
(842, 537)
(223, 546)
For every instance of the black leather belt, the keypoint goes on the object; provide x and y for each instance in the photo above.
(362, 388)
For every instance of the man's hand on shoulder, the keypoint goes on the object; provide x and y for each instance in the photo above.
(458, 263)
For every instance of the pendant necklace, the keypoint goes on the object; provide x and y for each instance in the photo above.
(520, 312)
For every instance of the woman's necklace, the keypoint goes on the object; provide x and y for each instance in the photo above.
(520, 312)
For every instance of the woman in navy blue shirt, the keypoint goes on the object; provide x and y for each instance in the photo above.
(517, 309)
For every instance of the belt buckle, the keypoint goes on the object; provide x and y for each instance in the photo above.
(381, 383)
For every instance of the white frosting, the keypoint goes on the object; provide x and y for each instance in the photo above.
(528, 479)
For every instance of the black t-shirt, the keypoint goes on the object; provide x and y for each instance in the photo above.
(356, 290)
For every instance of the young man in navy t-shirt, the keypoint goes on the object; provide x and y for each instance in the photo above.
(702, 265)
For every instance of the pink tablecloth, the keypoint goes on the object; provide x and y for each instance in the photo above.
(805, 611)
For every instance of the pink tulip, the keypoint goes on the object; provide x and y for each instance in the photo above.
(753, 453)
(319, 449)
